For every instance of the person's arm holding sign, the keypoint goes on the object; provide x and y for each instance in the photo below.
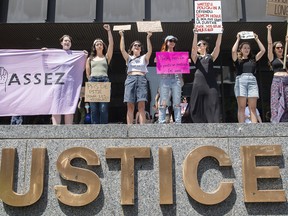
(122, 46)
(149, 47)
(194, 46)
(235, 47)
(216, 50)
(261, 47)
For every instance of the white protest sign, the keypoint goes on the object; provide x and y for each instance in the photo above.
(122, 28)
(152, 26)
(208, 17)
(246, 35)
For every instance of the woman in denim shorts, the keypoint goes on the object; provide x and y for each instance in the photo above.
(136, 83)
(279, 87)
(97, 71)
(246, 88)
(170, 84)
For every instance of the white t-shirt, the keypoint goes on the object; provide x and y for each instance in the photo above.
(137, 64)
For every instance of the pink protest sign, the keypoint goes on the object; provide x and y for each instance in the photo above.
(172, 63)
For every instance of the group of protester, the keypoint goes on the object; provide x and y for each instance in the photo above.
(204, 101)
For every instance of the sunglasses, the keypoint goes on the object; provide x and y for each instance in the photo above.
(172, 41)
(199, 44)
(279, 47)
(137, 45)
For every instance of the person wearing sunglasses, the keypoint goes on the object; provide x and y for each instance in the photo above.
(279, 86)
(136, 86)
(170, 84)
(246, 87)
(97, 71)
(204, 100)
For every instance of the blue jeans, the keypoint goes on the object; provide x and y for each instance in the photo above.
(170, 83)
(99, 110)
(16, 120)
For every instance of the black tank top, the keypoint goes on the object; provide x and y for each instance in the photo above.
(245, 66)
(277, 65)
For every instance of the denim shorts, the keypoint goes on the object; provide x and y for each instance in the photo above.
(246, 86)
(135, 88)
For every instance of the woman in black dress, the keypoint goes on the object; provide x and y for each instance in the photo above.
(204, 100)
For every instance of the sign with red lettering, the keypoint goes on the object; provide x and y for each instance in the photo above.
(208, 17)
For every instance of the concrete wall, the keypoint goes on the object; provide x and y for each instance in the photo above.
(182, 138)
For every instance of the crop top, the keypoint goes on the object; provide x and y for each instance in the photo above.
(245, 66)
(137, 64)
(277, 65)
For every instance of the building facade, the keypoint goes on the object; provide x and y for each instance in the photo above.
(32, 24)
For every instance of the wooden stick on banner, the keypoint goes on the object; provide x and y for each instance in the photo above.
(285, 51)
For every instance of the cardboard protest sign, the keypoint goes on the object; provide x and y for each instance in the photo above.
(122, 28)
(208, 17)
(97, 91)
(247, 35)
(277, 8)
(172, 63)
(152, 26)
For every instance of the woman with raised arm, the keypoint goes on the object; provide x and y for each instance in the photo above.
(204, 102)
(279, 87)
(136, 86)
(97, 71)
(246, 87)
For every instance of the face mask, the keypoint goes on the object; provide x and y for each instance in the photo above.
(87, 106)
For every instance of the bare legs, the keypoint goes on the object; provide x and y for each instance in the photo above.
(130, 112)
(56, 119)
(252, 103)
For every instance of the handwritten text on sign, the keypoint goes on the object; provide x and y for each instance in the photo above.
(97, 91)
(208, 16)
(172, 62)
(277, 8)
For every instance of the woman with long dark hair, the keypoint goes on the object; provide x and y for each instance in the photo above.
(136, 85)
(204, 102)
(279, 87)
(97, 71)
(246, 87)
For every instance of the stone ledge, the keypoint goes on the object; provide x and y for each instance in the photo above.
(229, 130)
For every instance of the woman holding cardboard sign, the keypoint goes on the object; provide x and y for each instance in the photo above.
(204, 100)
(246, 87)
(279, 87)
(136, 83)
(97, 71)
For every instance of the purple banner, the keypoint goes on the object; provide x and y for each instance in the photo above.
(38, 82)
